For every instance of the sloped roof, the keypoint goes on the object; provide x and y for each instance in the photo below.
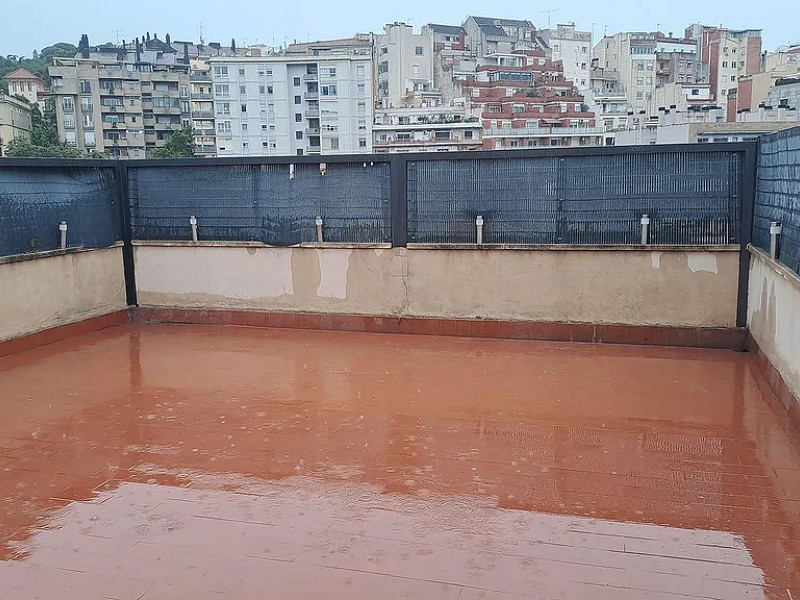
(21, 74)
(446, 29)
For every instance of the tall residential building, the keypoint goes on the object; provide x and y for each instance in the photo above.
(22, 82)
(634, 57)
(488, 35)
(524, 100)
(728, 54)
(404, 62)
(573, 48)
(15, 120)
(201, 95)
(125, 101)
(293, 104)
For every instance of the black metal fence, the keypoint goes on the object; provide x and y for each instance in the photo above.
(778, 194)
(35, 200)
(693, 194)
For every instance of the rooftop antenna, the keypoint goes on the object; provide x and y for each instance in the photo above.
(549, 11)
(117, 32)
(200, 32)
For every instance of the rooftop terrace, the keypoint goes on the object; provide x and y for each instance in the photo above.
(555, 374)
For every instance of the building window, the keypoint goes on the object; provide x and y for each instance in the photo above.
(299, 152)
(223, 108)
(265, 144)
(261, 89)
(298, 99)
(86, 104)
(264, 127)
(298, 135)
(269, 72)
(244, 108)
(362, 88)
(184, 91)
(639, 95)
(243, 90)
(86, 86)
(223, 126)
(88, 121)
(360, 71)
(269, 89)
(362, 143)
(467, 135)
(724, 64)
(733, 77)
(222, 90)
(649, 66)
(296, 82)
(362, 107)
(640, 81)
(220, 71)
(241, 71)
(298, 118)
(328, 90)
(69, 121)
(244, 126)
(67, 104)
(415, 69)
(88, 138)
(419, 51)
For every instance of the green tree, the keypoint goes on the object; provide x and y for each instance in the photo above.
(24, 147)
(180, 145)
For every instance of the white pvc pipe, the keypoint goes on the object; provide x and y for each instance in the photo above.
(479, 229)
(645, 222)
(318, 223)
(775, 229)
(62, 227)
(193, 223)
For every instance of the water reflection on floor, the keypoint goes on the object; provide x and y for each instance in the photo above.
(203, 462)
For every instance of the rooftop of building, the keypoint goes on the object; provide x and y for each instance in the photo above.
(446, 29)
(21, 74)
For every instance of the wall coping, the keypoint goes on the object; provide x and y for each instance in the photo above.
(15, 258)
(778, 267)
(539, 247)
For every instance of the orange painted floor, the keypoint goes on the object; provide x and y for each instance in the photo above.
(172, 462)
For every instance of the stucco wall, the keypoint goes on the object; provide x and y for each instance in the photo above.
(48, 291)
(593, 286)
(773, 316)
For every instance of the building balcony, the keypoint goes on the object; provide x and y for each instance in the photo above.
(201, 96)
(205, 149)
(312, 130)
(312, 113)
(537, 131)
(199, 76)
(202, 114)
(311, 95)
(166, 126)
(205, 132)
(112, 108)
(311, 77)
(114, 125)
(167, 110)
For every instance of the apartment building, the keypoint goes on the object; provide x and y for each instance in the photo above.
(22, 82)
(293, 104)
(524, 100)
(122, 100)
(785, 93)
(201, 96)
(425, 129)
(15, 120)
(404, 62)
(634, 57)
(573, 48)
(446, 37)
(488, 35)
(728, 54)
(680, 96)
(782, 57)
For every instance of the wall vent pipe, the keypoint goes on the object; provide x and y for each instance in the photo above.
(193, 223)
(645, 222)
(62, 227)
(479, 229)
(318, 223)
(775, 239)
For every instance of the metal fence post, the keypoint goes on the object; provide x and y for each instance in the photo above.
(399, 200)
(775, 240)
(747, 194)
(124, 212)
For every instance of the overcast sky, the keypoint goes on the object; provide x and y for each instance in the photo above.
(28, 25)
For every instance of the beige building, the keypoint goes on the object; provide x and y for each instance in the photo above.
(125, 101)
(574, 49)
(22, 82)
(15, 120)
(201, 96)
(680, 96)
(404, 64)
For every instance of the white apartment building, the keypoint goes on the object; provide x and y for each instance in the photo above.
(573, 48)
(633, 56)
(293, 104)
(404, 62)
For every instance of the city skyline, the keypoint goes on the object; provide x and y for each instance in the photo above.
(276, 25)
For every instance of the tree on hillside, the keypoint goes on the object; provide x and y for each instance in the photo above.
(180, 145)
(43, 141)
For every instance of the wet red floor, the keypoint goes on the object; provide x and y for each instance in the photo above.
(201, 462)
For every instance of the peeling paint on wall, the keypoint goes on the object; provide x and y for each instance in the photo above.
(656, 256)
(702, 261)
(333, 265)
